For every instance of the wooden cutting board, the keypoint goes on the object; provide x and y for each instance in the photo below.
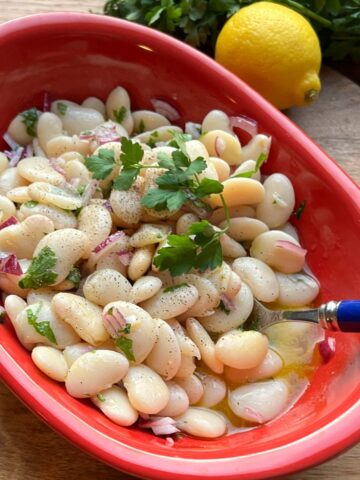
(29, 450)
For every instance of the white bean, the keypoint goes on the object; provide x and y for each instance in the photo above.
(165, 357)
(209, 297)
(82, 315)
(143, 329)
(216, 120)
(160, 134)
(50, 195)
(96, 104)
(127, 204)
(221, 321)
(23, 238)
(265, 247)
(112, 261)
(10, 179)
(76, 118)
(249, 167)
(51, 362)
(38, 169)
(62, 144)
(147, 391)
(297, 289)
(94, 372)
(214, 390)
(242, 349)
(114, 404)
(40, 295)
(205, 344)
(201, 422)
(145, 120)
(76, 170)
(149, 234)
(7, 208)
(219, 215)
(269, 367)
(118, 108)
(192, 386)
(222, 168)
(259, 402)
(187, 346)
(95, 221)
(144, 288)
(239, 191)
(49, 126)
(61, 218)
(73, 352)
(68, 245)
(140, 262)
(14, 305)
(168, 304)
(259, 144)
(187, 367)
(19, 131)
(223, 145)
(234, 286)
(4, 162)
(279, 201)
(244, 228)
(290, 230)
(105, 286)
(220, 277)
(178, 402)
(259, 276)
(184, 222)
(18, 195)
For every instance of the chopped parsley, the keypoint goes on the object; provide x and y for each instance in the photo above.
(101, 397)
(40, 272)
(43, 328)
(126, 346)
(141, 126)
(120, 114)
(29, 118)
(175, 287)
(300, 210)
(74, 276)
(61, 108)
(31, 204)
(223, 307)
(81, 189)
(259, 162)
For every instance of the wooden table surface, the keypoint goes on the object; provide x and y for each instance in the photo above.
(29, 450)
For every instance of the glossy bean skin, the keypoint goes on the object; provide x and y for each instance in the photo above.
(265, 248)
(220, 321)
(219, 215)
(178, 402)
(69, 246)
(73, 352)
(242, 349)
(96, 104)
(205, 344)
(51, 362)
(39, 169)
(84, 316)
(259, 144)
(149, 234)
(48, 127)
(170, 304)
(19, 195)
(127, 204)
(10, 179)
(165, 356)
(260, 278)
(147, 391)
(18, 131)
(144, 288)
(106, 286)
(279, 201)
(40, 295)
(47, 194)
(95, 221)
(14, 305)
(63, 144)
(259, 402)
(7, 208)
(94, 372)
(4, 162)
(76, 170)
(269, 367)
(60, 218)
(192, 386)
(214, 390)
(140, 262)
(201, 422)
(243, 228)
(187, 367)
(249, 167)
(187, 346)
(208, 299)
(117, 101)
(114, 404)
(216, 120)
(76, 118)
(297, 289)
(145, 120)
(239, 191)
(230, 148)
(222, 168)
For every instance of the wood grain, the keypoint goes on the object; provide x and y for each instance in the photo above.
(29, 450)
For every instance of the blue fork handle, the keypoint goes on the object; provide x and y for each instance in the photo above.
(348, 316)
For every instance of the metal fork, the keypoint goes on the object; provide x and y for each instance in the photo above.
(337, 316)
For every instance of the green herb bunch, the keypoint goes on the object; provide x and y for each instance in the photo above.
(198, 22)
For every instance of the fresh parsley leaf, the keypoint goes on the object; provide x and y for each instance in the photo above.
(164, 199)
(179, 256)
(131, 153)
(300, 210)
(74, 276)
(61, 108)
(175, 287)
(81, 189)
(31, 204)
(126, 179)
(29, 118)
(43, 328)
(207, 187)
(126, 346)
(179, 140)
(102, 164)
(40, 272)
(259, 162)
(141, 126)
(120, 114)
(101, 397)
(197, 166)
(210, 256)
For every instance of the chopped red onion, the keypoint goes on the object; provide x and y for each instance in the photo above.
(29, 151)
(89, 191)
(10, 141)
(106, 134)
(220, 146)
(170, 442)
(228, 304)
(327, 348)
(114, 321)
(10, 221)
(245, 123)
(193, 129)
(15, 156)
(56, 167)
(46, 102)
(10, 264)
(291, 247)
(125, 257)
(88, 135)
(164, 108)
(108, 206)
(111, 239)
(160, 425)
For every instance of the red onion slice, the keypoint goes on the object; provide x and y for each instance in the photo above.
(29, 151)
(15, 156)
(10, 221)
(228, 304)
(170, 442)
(109, 240)
(114, 322)
(88, 135)
(10, 264)
(193, 129)
(160, 425)
(165, 109)
(56, 167)
(291, 247)
(219, 146)
(46, 102)
(327, 348)
(125, 257)
(10, 141)
(106, 134)
(245, 123)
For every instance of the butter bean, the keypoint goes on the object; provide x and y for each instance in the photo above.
(10, 179)
(140, 262)
(127, 204)
(279, 201)
(144, 288)
(7, 208)
(178, 402)
(76, 118)
(259, 144)
(18, 195)
(96, 104)
(223, 145)
(114, 404)
(249, 166)
(201, 422)
(205, 344)
(48, 127)
(192, 386)
(60, 218)
(95, 221)
(214, 390)
(269, 367)
(54, 196)
(239, 191)
(216, 120)
(171, 304)
(38, 169)
(105, 286)
(242, 349)
(119, 101)
(145, 120)
(51, 362)
(245, 228)
(297, 289)
(208, 299)
(73, 352)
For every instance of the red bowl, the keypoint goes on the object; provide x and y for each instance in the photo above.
(73, 56)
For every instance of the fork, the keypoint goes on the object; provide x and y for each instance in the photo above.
(336, 316)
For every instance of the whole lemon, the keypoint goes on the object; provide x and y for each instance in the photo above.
(275, 50)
